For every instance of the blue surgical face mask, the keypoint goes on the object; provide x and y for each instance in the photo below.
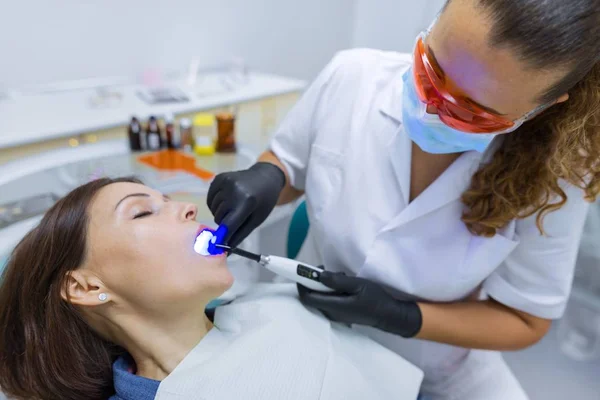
(429, 132)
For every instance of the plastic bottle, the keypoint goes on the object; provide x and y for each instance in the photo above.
(153, 137)
(204, 134)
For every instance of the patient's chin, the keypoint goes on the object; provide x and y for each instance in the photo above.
(218, 281)
(196, 280)
(227, 279)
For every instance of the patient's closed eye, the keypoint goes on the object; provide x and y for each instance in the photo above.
(142, 214)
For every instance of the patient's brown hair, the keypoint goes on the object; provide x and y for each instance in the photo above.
(47, 350)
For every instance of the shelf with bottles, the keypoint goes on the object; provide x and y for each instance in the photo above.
(204, 134)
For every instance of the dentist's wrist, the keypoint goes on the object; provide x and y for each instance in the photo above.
(271, 171)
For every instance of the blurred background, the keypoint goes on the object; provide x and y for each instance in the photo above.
(50, 41)
(74, 73)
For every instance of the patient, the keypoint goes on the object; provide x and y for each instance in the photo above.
(106, 297)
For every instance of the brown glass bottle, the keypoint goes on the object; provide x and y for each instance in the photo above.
(186, 134)
(172, 138)
(225, 133)
(134, 132)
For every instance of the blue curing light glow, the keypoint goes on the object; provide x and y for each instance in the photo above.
(202, 242)
(218, 238)
(206, 240)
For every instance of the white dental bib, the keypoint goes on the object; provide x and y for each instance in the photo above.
(268, 346)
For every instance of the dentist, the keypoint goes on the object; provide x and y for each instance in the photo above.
(446, 189)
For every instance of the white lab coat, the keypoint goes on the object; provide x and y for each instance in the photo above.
(343, 143)
(267, 346)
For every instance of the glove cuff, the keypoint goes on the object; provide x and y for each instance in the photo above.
(272, 171)
(406, 320)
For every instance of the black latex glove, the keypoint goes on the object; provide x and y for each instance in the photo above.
(363, 302)
(242, 200)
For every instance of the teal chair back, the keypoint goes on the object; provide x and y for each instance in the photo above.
(297, 231)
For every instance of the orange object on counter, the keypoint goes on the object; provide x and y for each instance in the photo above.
(225, 133)
(171, 160)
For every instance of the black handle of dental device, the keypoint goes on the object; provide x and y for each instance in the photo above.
(240, 252)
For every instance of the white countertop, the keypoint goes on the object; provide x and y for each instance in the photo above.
(35, 117)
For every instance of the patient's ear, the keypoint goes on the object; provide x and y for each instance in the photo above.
(563, 98)
(83, 288)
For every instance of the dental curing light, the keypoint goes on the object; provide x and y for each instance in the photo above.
(207, 240)
(305, 275)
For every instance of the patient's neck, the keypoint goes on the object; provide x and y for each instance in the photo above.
(158, 345)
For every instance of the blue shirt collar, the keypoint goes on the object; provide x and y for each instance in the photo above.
(129, 386)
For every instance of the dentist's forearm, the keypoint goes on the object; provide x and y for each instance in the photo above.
(485, 325)
(288, 193)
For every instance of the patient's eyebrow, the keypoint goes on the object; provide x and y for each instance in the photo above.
(131, 195)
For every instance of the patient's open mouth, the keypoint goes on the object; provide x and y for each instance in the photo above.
(206, 238)
(202, 241)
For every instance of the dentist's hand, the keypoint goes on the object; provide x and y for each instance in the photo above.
(242, 200)
(363, 302)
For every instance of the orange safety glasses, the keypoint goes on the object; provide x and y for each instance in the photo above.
(455, 110)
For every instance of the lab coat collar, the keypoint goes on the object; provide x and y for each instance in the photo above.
(448, 188)
(391, 97)
(451, 184)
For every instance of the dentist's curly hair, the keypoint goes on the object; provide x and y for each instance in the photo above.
(562, 144)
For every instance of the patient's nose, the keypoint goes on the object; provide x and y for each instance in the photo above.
(189, 212)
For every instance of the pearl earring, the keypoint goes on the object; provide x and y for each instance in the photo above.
(102, 296)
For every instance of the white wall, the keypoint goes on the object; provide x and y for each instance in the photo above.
(46, 41)
(392, 24)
